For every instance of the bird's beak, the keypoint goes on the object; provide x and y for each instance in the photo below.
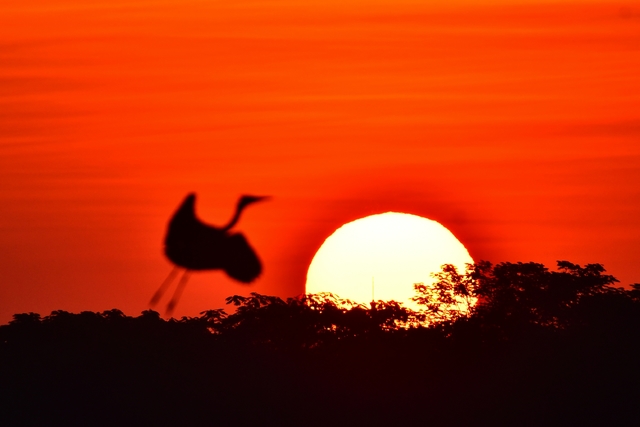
(247, 199)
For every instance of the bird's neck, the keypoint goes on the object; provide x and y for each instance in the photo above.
(234, 220)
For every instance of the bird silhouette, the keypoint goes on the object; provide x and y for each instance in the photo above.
(193, 245)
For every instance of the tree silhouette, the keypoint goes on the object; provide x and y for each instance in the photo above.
(514, 297)
(450, 297)
(539, 348)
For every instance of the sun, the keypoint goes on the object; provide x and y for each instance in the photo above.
(380, 257)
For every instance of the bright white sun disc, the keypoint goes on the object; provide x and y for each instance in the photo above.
(382, 256)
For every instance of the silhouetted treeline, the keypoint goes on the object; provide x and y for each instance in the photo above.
(539, 348)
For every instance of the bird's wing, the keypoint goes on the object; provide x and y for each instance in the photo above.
(191, 243)
(241, 261)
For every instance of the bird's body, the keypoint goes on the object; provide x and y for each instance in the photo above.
(194, 245)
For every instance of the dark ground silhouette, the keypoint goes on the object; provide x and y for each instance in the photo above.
(542, 348)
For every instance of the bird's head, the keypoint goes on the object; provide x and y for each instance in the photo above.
(247, 200)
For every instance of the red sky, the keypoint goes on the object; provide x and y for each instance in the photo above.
(514, 124)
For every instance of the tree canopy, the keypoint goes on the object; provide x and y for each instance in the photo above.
(494, 345)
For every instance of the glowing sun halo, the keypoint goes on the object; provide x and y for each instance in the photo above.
(390, 251)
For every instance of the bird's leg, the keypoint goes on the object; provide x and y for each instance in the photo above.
(163, 287)
(178, 292)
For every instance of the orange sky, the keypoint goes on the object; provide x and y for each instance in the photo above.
(514, 124)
